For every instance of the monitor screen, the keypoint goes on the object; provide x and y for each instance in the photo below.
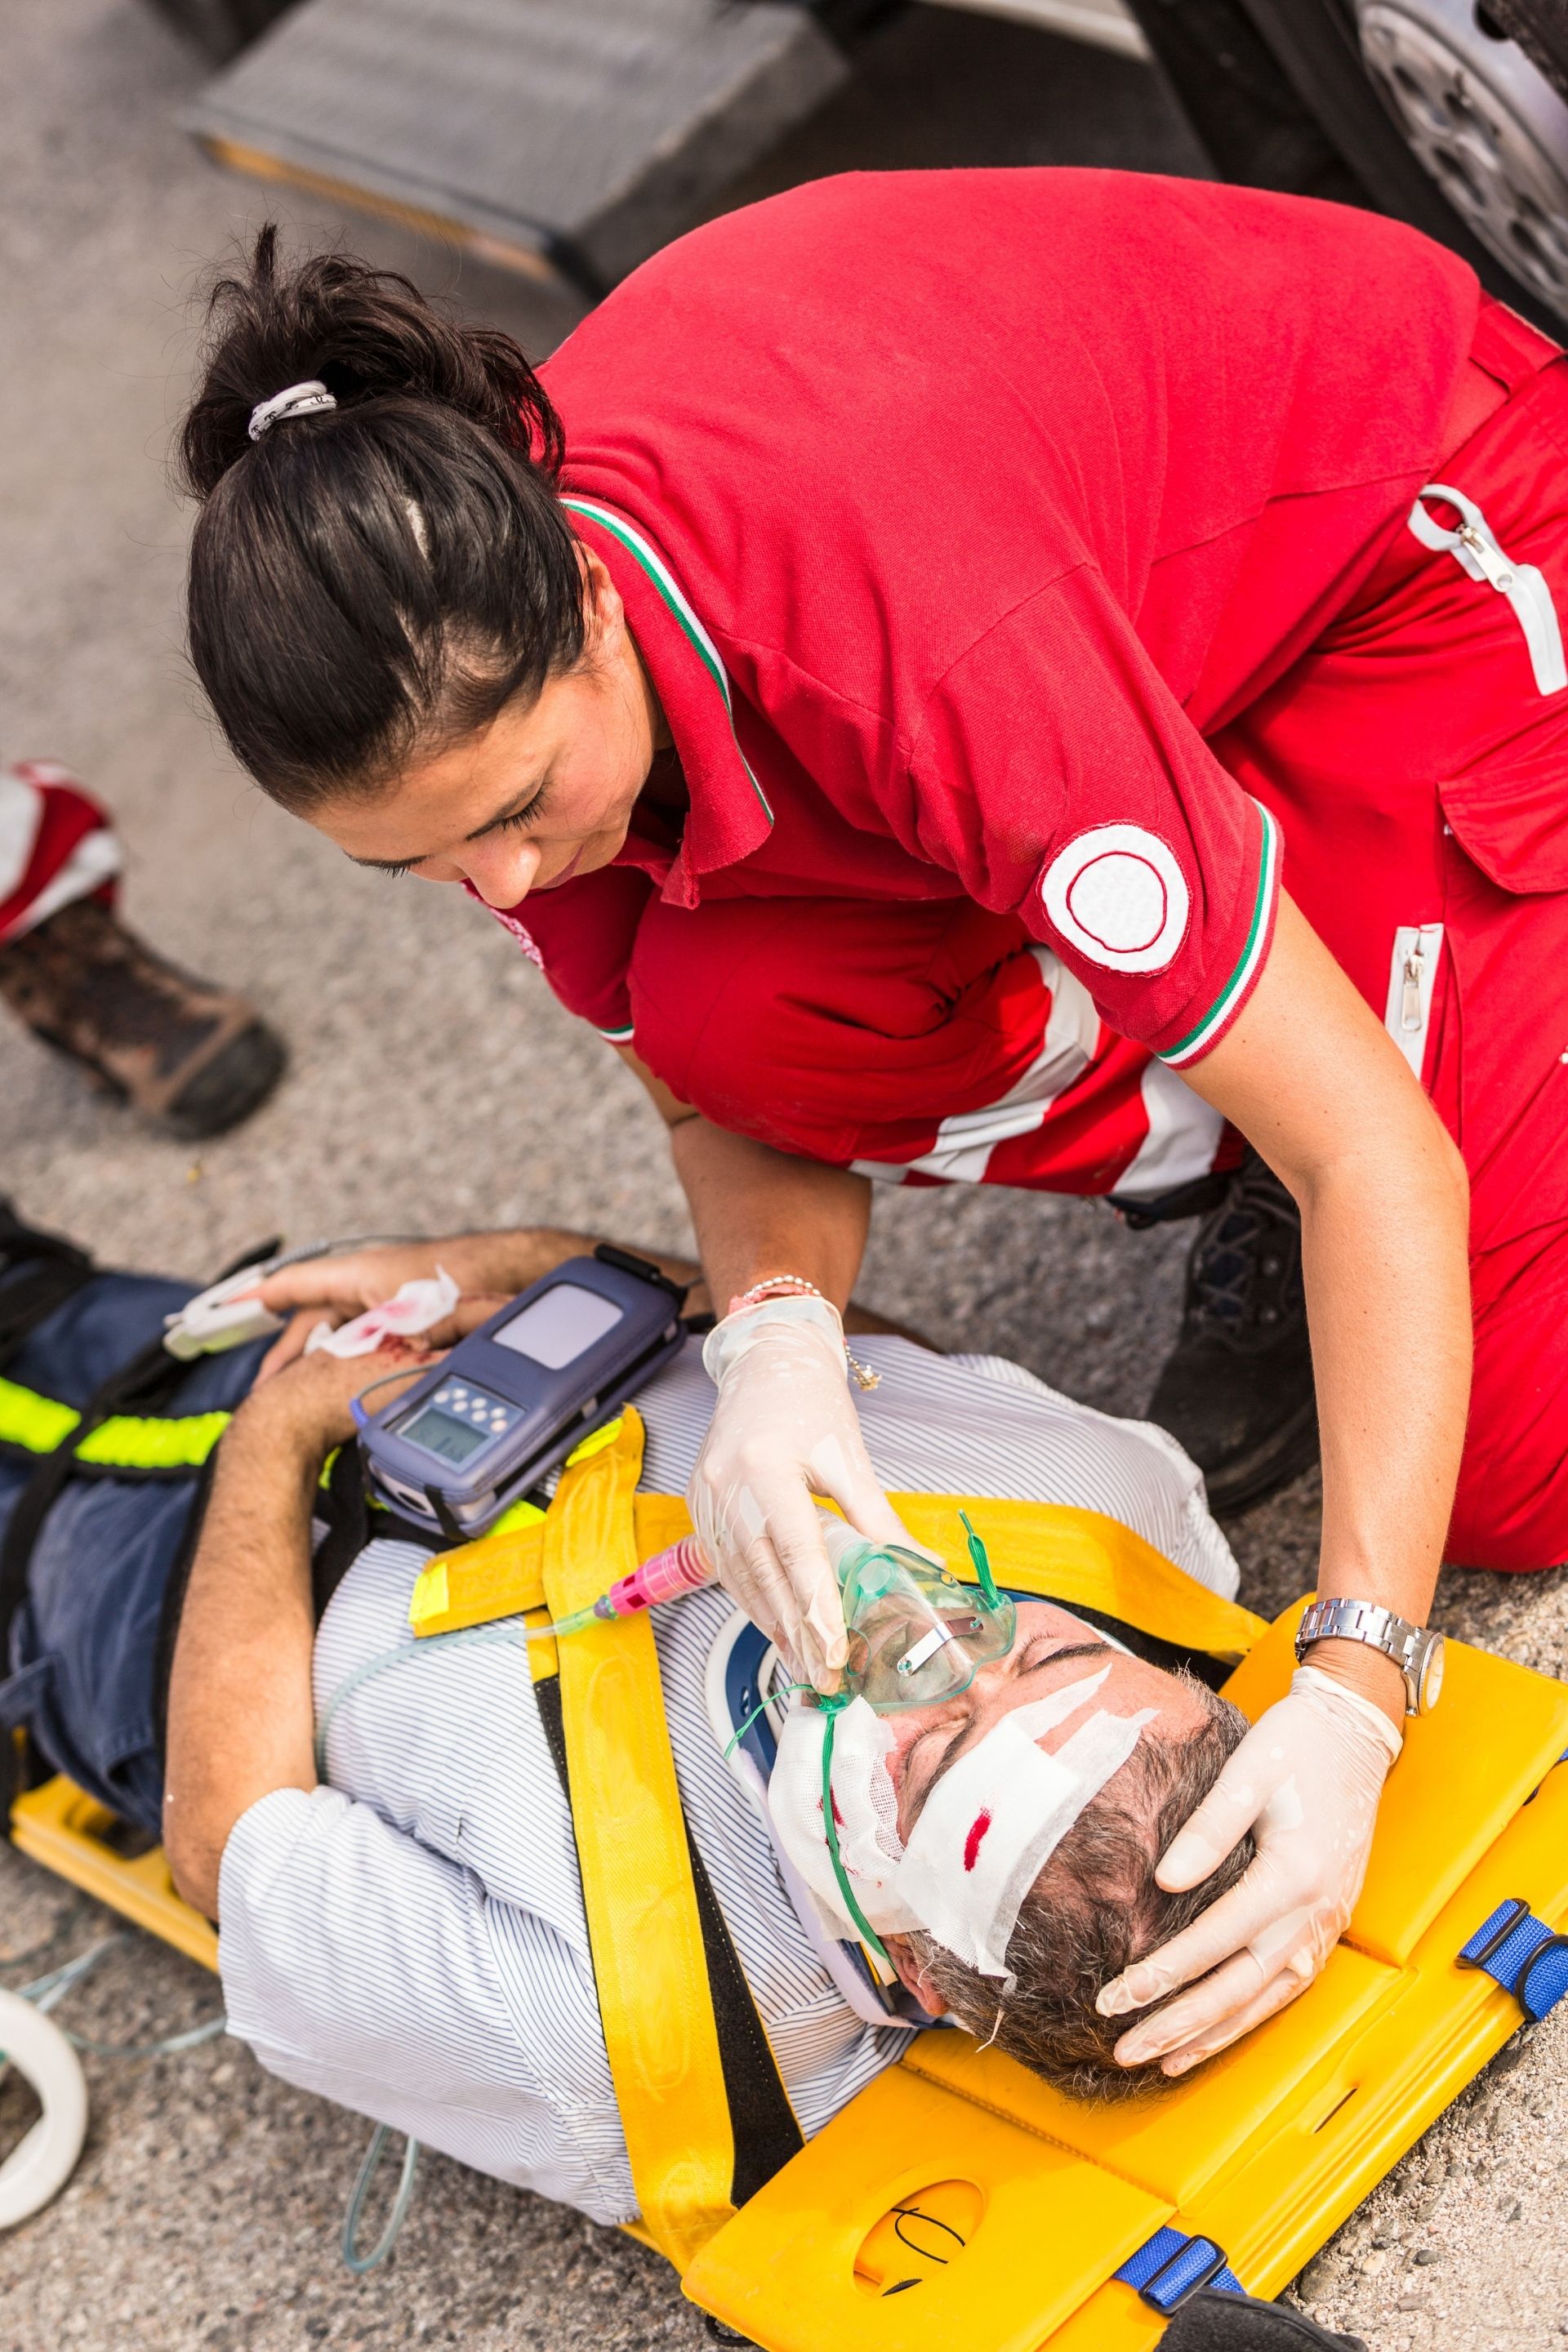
(563, 1323)
(444, 1433)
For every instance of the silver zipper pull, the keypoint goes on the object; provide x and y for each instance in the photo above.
(1410, 998)
(1489, 559)
(1475, 548)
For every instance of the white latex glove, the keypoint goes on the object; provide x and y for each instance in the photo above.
(1306, 1782)
(785, 1429)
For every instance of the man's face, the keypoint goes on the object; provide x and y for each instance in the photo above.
(1051, 1647)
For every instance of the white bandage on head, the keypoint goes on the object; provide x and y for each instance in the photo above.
(990, 1826)
(417, 1308)
(985, 1832)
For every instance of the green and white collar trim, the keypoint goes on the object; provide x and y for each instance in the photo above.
(1195, 1042)
(675, 598)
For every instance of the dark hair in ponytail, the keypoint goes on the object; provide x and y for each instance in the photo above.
(382, 576)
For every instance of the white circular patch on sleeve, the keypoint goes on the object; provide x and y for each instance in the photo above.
(1118, 895)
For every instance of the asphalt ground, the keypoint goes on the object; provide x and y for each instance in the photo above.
(436, 1085)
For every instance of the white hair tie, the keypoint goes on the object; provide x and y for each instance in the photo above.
(299, 400)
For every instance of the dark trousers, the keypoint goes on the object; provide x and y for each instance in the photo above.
(84, 1648)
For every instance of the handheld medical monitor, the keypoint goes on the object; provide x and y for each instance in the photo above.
(512, 1399)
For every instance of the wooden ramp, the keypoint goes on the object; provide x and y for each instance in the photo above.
(567, 138)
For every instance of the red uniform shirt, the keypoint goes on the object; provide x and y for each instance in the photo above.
(952, 511)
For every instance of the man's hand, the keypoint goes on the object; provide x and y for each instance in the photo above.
(334, 1289)
(308, 1405)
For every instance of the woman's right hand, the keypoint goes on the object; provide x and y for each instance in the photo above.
(784, 1430)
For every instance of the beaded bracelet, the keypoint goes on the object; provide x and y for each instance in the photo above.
(775, 1284)
(795, 1286)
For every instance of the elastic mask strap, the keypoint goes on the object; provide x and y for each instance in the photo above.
(833, 1708)
(981, 1558)
(761, 1707)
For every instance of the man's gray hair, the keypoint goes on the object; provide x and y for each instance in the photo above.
(1094, 1909)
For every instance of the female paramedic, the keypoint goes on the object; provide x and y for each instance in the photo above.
(880, 669)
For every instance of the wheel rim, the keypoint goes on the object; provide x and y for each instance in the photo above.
(1488, 127)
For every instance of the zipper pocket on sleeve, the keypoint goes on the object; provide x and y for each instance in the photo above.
(1476, 548)
(1412, 976)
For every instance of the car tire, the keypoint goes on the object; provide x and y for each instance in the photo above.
(1281, 95)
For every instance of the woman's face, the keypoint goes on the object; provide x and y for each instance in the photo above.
(544, 791)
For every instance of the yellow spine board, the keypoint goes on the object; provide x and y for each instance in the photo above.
(60, 1827)
(959, 2204)
(637, 1891)
(960, 2201)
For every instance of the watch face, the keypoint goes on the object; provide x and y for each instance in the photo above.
(1431, 1685)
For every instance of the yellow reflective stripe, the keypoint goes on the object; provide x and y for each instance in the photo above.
(638, 1889)
(38, 1422)
(125, 1441)
(137, 1442)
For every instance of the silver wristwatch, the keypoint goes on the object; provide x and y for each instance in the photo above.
(1415, 1650)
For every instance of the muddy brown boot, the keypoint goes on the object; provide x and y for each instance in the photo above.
(192, 1057)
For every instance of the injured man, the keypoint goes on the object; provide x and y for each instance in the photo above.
(378, 1824)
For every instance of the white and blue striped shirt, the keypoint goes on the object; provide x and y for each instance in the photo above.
(409, 1939)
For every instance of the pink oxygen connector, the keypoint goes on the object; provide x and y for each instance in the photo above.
(680, 1569)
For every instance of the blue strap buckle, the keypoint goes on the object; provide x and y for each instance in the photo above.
(1525, 1955)
(1170, 2268)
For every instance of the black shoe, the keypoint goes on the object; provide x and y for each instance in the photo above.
(1236, 1390)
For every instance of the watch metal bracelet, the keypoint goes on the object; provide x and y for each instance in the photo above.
(1415, 1650)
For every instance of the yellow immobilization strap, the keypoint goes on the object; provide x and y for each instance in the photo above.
(500, 1576)
(1053, 1548)
(637, 1886)
(1068, 1555)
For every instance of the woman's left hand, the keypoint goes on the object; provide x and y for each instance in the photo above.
(1306, 1782)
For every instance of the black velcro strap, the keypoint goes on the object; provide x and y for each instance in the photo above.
(174, 1603)
(346, 1511)
(761, 2120)
(761, 2117)
(48, 1270)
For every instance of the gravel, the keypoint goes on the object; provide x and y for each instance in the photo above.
(206, 2209)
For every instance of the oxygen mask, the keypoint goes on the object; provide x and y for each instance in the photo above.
(917, 1634)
